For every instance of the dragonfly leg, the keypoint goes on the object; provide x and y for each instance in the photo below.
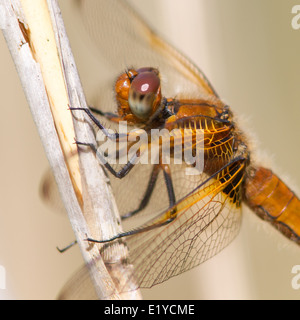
(118, 174)
(169, 185)
(148, 193)
(67, 247)
(113, 136)
(167, 217)
(108, 115)
(134, 231)
(151, 184)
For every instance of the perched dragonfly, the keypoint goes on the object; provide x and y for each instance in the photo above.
(187, 219)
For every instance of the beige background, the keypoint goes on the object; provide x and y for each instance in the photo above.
(250, 53)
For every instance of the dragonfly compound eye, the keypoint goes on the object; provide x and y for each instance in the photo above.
(144, 93)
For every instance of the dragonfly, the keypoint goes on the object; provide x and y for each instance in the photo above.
(186, 219)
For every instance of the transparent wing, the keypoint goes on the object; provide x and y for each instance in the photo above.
(208, 220)
(78, 287)
(124, 40)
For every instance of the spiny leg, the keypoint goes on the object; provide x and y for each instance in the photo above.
(169, 184)
(118, 174)
(67, 247)
(108, 115)
(148, 193)
(168, 216)
(113, 136)
(131, 232)
(151, 184)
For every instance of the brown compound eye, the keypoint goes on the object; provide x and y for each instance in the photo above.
(144, 93)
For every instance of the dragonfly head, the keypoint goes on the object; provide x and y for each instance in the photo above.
(138, 94)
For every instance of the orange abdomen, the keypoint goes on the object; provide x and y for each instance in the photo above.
(272, 200)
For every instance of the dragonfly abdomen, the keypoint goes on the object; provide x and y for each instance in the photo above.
(272, 200)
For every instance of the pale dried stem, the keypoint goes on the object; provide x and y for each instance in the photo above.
(50, 81)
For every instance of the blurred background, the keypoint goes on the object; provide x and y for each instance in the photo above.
(250, 53)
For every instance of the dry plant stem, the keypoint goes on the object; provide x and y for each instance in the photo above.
(100, 209)
(28, 32)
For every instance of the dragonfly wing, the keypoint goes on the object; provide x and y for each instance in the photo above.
(200, 231)
(184, 246)
(78, 287)
(207, 220)
(124, 40)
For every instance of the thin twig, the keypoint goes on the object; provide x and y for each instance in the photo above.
(51, 83)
